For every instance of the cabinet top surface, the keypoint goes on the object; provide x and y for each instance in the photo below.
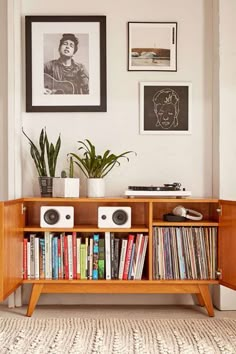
(119, 200)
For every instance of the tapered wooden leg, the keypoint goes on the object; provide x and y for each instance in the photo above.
(200, 300)
(206, 297)
(35, 293)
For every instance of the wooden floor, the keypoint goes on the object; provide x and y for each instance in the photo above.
(125, 312)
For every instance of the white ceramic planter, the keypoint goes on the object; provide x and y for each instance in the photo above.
(95, 187)
(66, 187)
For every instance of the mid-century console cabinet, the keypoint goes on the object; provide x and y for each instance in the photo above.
(22, 216)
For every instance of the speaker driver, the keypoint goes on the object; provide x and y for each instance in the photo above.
(119, 217)
(51, 216)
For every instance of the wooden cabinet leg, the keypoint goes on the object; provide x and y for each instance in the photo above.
(35, 293)
(206, 297)
(200, 300)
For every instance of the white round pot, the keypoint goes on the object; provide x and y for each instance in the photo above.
(95, 187)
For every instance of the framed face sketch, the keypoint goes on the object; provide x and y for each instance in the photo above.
(165, 108)
(152, 46)
(65, 63)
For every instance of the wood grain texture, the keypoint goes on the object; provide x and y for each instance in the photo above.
(227, 244)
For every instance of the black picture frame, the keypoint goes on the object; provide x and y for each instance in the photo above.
(42, 35)
(152, 46)
(165, 108)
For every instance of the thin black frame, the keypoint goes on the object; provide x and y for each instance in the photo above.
(174, 38)
(102, 107)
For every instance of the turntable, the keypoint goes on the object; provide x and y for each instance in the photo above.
(167, 190)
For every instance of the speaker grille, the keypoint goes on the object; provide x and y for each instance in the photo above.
(51, 216)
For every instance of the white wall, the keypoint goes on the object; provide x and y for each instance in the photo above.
(3, 102)
(183, 158)
(160, 159)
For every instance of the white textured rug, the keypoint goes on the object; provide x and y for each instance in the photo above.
(76, 335)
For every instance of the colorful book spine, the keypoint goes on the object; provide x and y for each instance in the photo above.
(122, 258)
(36, 258)
(28, 259)
(78, 241)
(62, 235)
(41, 258)
(116, 257)
(128, 256)
(95, 255)
(70, 256)
(101, 259)
(83, 260)
(108, 255)
(55, 257)
(66, 262)
(112, 256)
(131, 262)
(90, 259)
(32, 255)
(86, 257)
(74, 255)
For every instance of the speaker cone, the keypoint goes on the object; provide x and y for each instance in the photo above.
(51, 216)
(119, 217)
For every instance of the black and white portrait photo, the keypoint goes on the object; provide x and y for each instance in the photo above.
(165, 108)
(66, 64)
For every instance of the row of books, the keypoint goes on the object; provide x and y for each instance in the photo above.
(184, 252)
(51, 255)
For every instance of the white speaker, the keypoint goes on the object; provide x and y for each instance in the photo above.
(114, 217)
(187, 213)
(57, 216)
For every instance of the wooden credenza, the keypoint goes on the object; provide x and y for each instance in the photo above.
(22, 216)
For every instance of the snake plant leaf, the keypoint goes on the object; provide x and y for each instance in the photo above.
(45, 157)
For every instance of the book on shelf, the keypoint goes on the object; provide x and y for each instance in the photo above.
(116, 257)
(131, 261)
(83, 261)
(90, 257)
(86, 256)
(70, 256)
(112, 255)
(66, 260)
(78, 242)
(95, 255)
(55, 257)
(128, 256)
(41, 258)
(28, 259)
(142, 258)
(32, 256)
(108, 255)
(101, 258)
(36, 257)
(124, 243)
(74, 254)
(139, 244)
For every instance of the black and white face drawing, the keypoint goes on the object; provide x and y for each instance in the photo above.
(166, 108)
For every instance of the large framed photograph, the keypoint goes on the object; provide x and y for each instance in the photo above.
(152, 46)
(165, 107)
(65, 64)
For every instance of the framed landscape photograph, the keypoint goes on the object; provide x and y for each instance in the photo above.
(165, 107)
(66, 64)
(152, 46)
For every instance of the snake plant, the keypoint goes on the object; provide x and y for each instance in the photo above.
(94, 165)
(45, 156)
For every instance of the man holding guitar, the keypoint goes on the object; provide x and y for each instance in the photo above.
(63, 75)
